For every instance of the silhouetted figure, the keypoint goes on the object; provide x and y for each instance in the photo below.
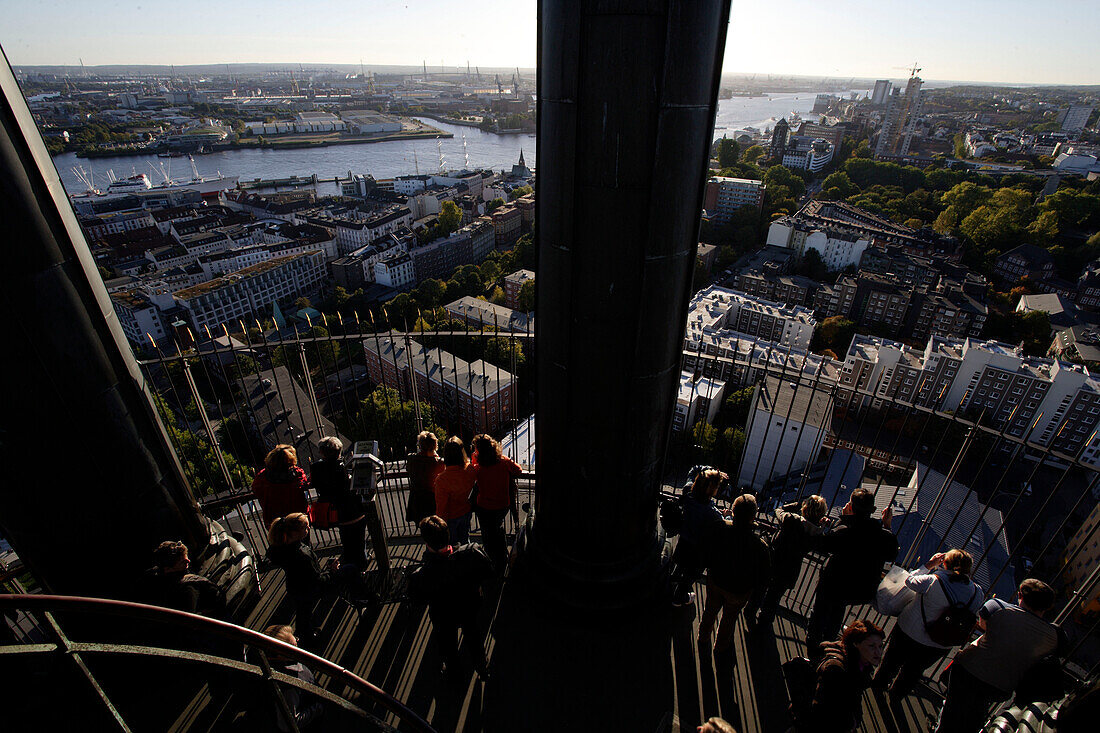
(332, 481)
(168, 583)
(422, 468)
(842, 676)
(857, 550)
(281, 486)
(716, 725)
(987, 670)
(306, 708)
(699, 513)
(495, 497)
(450, 584)
(305, 580)
(799, 526)
(738, 564)
(943, 586)
(453, 486)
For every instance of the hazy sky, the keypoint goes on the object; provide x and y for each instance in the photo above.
(980, 40)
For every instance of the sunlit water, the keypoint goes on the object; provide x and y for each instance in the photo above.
(388, 159)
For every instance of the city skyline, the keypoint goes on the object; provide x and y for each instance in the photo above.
(984, 42)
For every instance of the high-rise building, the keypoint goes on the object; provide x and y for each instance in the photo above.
(902, 116)
(724, 196)
(1076, 117)
(780, 135)
(881, 92)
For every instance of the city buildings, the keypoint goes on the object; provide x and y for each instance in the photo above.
(698, 400)
(1026, 260)
(903, 114)
(786, 429)
(881, 92)
(724, 196)
(507, 225)
(477, 396)
(250, 293)
(476, 313)
(467, 246)
(1076, 117)
(1080, 560)
(395, 271)
(513, 284)
(716, 309)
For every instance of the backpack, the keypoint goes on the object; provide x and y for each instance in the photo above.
(955, 623)
(672, 516)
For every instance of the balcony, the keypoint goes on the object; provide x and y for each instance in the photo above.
(953, 482)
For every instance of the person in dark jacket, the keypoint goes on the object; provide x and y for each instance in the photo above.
(171, 586)
(799, 526)
(281, 486)
(305, 580)
(842, 676)
(306, 709)
(857, 550)
(330, 478)
(450, 584)
(738, 564)
(700, 512)
(422, 468)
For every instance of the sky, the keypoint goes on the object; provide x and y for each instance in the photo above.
(1004, 41)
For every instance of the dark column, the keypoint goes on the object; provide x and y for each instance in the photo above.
(626, 100)
(90, 483)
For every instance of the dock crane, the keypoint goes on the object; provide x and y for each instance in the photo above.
(515, 85)
(500, 87)
(477, 71)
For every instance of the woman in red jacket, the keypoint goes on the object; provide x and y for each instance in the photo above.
(496, 496)
(281, 487)
(452, 490)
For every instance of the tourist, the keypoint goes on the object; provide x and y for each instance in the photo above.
(305, 708)
(450, 583)
(715, 725)
(281, 486)
(738, 564)
(422, 468)
(857, 549)
(332, 481)
(798, 528)
(841, 678)
(453, 486)
(495, 497)
(699, 512)
(171, 586)
(944, 585)
(289, 550)
(988, 670)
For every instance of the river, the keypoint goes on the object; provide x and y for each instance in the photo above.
(388, 159)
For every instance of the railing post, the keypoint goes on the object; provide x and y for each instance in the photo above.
(214, 445)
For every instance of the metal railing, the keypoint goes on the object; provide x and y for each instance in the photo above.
(336, 686)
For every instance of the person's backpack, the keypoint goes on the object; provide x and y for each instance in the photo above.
(672, 516)
(954, 624)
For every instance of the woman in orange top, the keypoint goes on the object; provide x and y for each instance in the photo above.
(453, 486)
(496, 496)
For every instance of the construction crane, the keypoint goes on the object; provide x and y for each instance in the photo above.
(500, 87)
(515, 86)
(477, 71)
(913, 71)
(425, 69)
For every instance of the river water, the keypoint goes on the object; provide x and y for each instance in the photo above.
(388, 159)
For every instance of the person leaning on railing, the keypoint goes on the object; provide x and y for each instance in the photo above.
(1015, 637)
(332, 481)
(699, 512)
(495, 497)
(281, 486)
(944, 583)
(422, 468)
(453, 486)
(305, 580)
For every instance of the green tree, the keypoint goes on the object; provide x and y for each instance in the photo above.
(494, 205)
(736, 406)
(430, 293)
(752, 154)
(497, 296)
(302, 302)
(728, 152)
(393, 420)
(198, 457)
(519, 191)
(504, 352)
(323, 354)
(781, 175)
(838, 186)
(834, 333)
(450, 217)
(526, 297)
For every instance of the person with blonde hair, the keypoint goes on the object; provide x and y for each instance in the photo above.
(281, 486)
(422, 467)
(289, 550)
(453, 486)
(495, 497)
(305, 708)
(799, 526)
(942, 584)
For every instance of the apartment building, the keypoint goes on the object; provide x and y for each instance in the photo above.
(478, 396)
(513, 284)
(786, 429)
(395, 271)
(507, 224)
(716, 309)
(698, 400)
(251, 292)
(476, 313)
(790, 290)
(724, 196)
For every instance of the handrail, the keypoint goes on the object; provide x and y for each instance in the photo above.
(129, 609)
